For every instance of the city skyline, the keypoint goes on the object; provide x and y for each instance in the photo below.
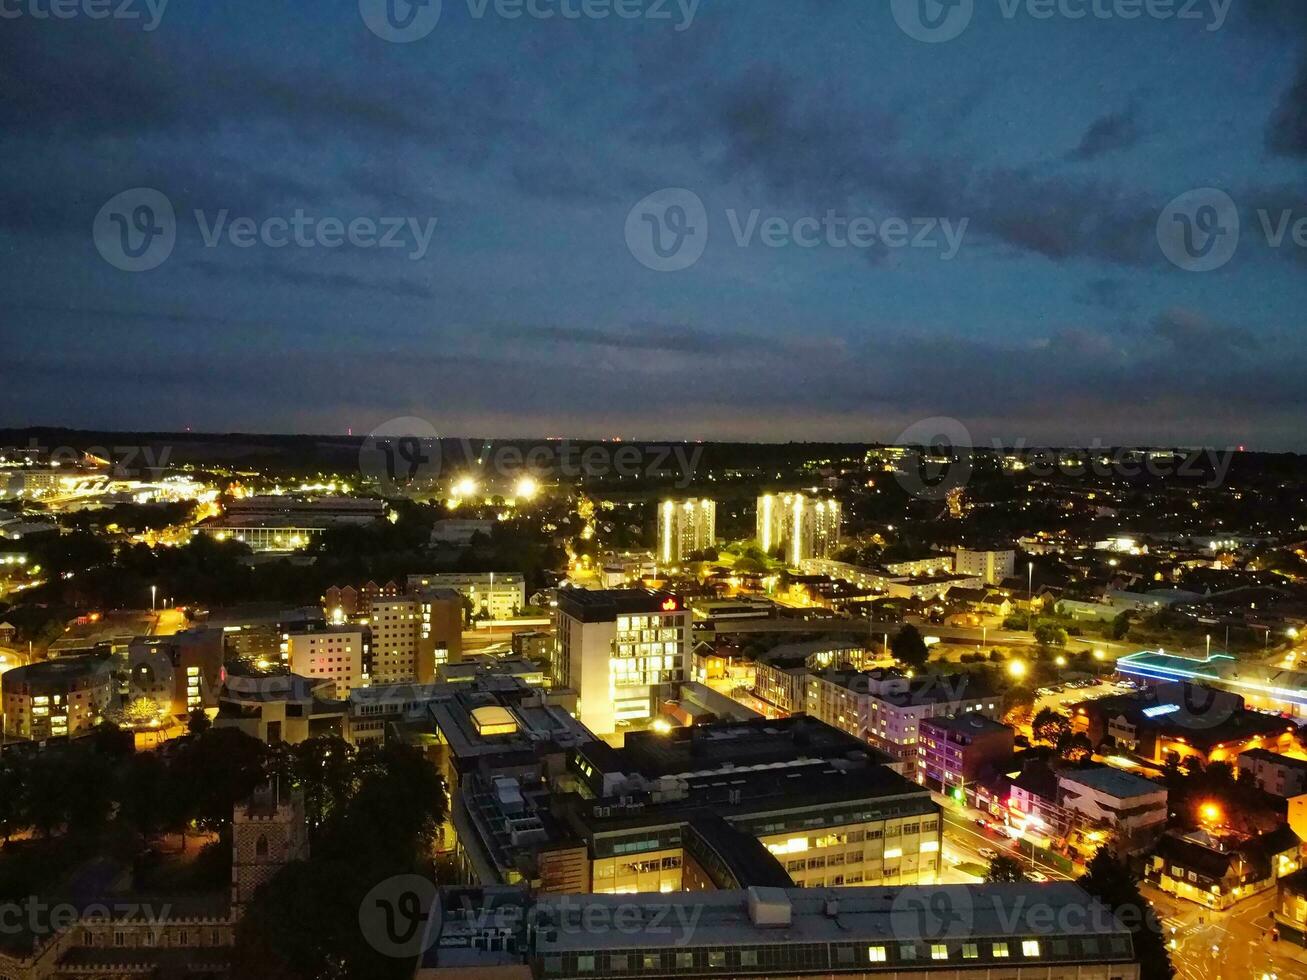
(1026, 292)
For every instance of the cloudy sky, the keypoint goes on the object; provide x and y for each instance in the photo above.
(1008, 176)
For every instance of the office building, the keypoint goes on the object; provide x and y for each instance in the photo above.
(954, 752)
(492, 595)
(413, 636)
(338, 653)
(181, 673)
(800, 526)
(281, 707)
(1010, 931)
(992, 566)
(55, 698)
(685, 526)
(883, 707)
(1132, 807)
(620, 650)
(344, 602)
(1176, 720)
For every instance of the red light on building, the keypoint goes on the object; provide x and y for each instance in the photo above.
(670, 605)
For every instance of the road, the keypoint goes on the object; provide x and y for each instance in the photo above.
(963, 839)
(1212, 945)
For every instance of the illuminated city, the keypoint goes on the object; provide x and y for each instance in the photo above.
(639, 489)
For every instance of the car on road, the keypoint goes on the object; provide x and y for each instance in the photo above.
(988, 853)
(1037, 876)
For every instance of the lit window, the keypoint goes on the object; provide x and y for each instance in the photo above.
(876, 954)
(970, 951)
(1029, 947)
(939, 952)
(1000, 950)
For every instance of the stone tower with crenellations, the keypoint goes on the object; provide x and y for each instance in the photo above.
(268, 832)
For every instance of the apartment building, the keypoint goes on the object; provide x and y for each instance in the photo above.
(414, 636)
(992, 566)
(340, 654)
(801, 526)
(954, 752)
(54, 698)
(492, 595)
(620, 650)
(883, 707)
(685, 526)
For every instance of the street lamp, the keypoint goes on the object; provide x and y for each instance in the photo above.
(154, 591)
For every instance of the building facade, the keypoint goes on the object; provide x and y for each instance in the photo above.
(954, 752)
(801, 526)
(414, 636)
(620, 650)
(685, 526)
(337, 653)
(56, 698)
(492, 595)
(992, 566)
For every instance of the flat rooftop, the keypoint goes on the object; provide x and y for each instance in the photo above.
(1113, 782)
(605, 605)
(862, 916)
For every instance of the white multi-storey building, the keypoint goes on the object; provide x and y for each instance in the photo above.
(620, 650)
(494, 595)
(993, 566)
(685, 526)
(805, 527)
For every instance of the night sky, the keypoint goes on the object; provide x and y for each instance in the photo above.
(1059, 141)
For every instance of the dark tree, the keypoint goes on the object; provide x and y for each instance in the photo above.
(1005, 869)
(909, 648)
(1108, 879)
